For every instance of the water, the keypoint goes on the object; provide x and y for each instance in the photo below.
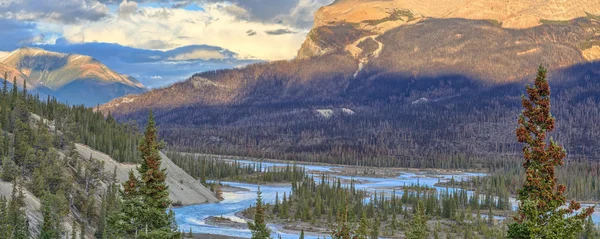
(194, 216)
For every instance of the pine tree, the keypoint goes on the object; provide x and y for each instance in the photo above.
(51, 223)
(342, 230)
(82, 231)
(541, 200)
(74, 230)
(17, 219)
(301, 234)
(259, 226)
(590, 229)
(128, 221)
(363, 227)
(418, 225)
(146, 200)
(375, 229)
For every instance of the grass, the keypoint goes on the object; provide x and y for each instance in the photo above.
(555, 22)
(589, 44)
(592, 16)
(402, 14)
(494, 22)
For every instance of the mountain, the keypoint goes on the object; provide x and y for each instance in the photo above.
(384, 82)
(73, 78)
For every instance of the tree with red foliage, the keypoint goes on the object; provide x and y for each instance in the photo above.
(543, 212)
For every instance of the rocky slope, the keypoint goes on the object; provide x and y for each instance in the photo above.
(183, 188)
(423, 78)
(74, 78)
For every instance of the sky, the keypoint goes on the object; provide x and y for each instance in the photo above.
(161, 41)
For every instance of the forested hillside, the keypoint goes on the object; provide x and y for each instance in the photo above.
(56, 190)
(432, 93)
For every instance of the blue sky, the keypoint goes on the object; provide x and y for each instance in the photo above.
(161, 41)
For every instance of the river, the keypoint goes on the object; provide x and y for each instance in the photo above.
(194, 216)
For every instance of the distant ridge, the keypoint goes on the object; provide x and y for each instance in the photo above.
(73, 78)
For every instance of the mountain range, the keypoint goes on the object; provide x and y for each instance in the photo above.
(380, 81)
(72, 78)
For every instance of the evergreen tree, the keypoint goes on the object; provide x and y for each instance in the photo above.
(541, 199)
(74, 230)
(375, 229)
(17, 219)
(342, 230)
(301, 234)
(146, 200)
(259, 226)
(418, 225)
(51, 223)
(363, 227)
(590, 229)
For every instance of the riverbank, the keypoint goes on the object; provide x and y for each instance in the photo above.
(212, 236)
(351, 170)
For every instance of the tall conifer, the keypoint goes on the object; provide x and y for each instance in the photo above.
(543, 212)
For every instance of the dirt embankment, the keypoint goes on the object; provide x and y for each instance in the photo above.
(183, 188)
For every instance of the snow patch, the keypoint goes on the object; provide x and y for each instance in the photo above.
(348, 111)
(420, 101)
(325, 113)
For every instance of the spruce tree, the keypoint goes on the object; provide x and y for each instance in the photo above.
(259, 226)
(51, 223)
(375, 228)
(418, 225)
(543, 212)
(17, 219)
(153, 188)
(363, 227)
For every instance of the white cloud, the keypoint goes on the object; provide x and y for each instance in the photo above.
(156, 77)
(163, 29)
(198, 55)
(127, 8)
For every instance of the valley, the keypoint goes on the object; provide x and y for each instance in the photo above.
(341, 119)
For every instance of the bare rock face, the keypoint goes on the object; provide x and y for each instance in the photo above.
(380, 16)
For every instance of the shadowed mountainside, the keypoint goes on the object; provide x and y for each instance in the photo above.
(436, 88)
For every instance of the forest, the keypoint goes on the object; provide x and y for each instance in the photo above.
(78, 198)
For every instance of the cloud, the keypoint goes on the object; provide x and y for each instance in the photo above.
(63, 11)
(164, 29)
(127, 8)
(280, 31)
(199, 54)
(251, 32)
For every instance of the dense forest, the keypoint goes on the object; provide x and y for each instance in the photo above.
(211, 167)
(78, 198)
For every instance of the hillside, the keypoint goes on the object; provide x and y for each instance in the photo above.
(366, 90)
(183, 189)
(51, 182)
(72, 78)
